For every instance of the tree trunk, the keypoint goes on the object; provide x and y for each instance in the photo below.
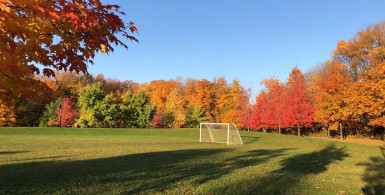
(279, 129)
(327, 129)
(341, 132)
(299, 130)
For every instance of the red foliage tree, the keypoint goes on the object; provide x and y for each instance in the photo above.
(260, 113)
(156, 121)
(245, 115)
(299, 109)
(276, 94)
(67, 113)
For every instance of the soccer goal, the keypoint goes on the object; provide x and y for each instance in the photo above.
(220, 133)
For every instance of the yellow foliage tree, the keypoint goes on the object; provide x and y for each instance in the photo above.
(7, 115)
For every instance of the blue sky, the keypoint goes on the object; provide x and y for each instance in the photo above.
(249, 40)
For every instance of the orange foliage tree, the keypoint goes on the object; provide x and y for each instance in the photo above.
(364, 52)
(198, 93)
(57, 35)
(7, 115)
(364, 57)
(330, 88)
(159, 90)
(220, 98)
(238, 101)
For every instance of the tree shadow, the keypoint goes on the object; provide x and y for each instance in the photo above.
(38, 158)
(12, 152)
(294, 169)
(250, 158)
(256, 157)
(313, 163)
(249, 139)
(374, 175)
(131, 174)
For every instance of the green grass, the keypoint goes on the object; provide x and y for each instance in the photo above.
(172, 161)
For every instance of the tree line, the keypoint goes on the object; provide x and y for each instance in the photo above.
(345, 93)
(82, 100)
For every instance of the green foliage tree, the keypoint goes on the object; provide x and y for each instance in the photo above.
(50, 117)
(167, 120)
(28, 112)
(137, 110)
(108, 111)
(90, 101)
(195, 115)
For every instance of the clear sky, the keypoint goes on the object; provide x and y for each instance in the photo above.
(244, 39)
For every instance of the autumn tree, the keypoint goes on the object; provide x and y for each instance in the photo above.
(366, 103)
(363, 52)
(56, 35)
(156, 120)
(199, 93)
(276, 103)
(176, 105)
(245, 116)
(51, 83)
(221, 95)
(299, 109)
(159, 90)
(330, 86)
(67, 113)
(28, 109)
(364, 57)
(7, 115)
(260, 112)
(237, 101)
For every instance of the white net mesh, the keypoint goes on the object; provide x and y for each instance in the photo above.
(234, 136)
(220, 133)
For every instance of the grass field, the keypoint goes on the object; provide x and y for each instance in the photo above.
(172, 161)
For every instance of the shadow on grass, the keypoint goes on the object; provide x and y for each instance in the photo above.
(249, 139)
(130, 174)
(294, 170)
(11, 152)
(38, 158)
(374, 175)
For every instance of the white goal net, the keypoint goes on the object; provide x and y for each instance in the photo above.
(220, 133)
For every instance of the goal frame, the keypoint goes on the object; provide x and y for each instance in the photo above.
(227, 132)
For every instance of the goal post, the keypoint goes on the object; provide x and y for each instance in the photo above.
(226, 133)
